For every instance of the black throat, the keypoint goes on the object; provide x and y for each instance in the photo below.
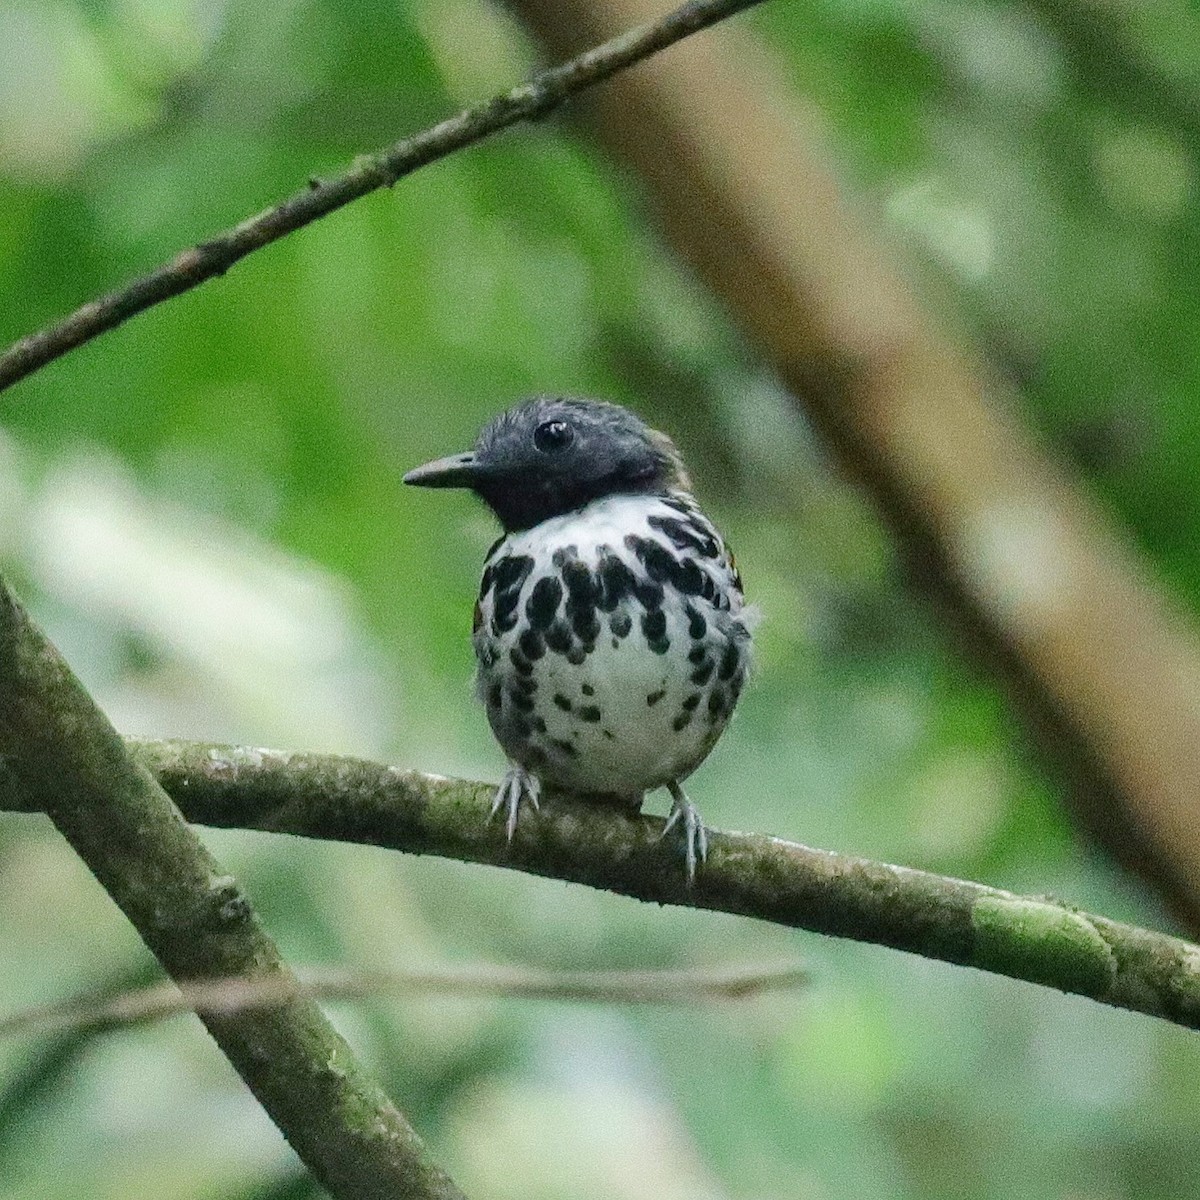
(521, 504)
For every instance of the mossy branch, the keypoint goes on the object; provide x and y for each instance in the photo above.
(69, 761)
(542, 94)
(343, 799)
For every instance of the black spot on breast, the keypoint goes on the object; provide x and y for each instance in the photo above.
(587, 689)
(736, 683)
(566, 747)
(675, 530)
(488, 578)
(681, 506)
(534, 756)
(702, 674)
(581, 587)
(520, 700)
(662, 566)
(520, 662)
(558, 638)
(511, 572)
(522, 728)
(648, 593)
(655, 557)
(562, 702)
(686, 535)
(532, 644)
(729, 661)
(608, 733)
(682, 721)
(616, 582)
(504, 617)
(716, 704)
(577, 654)
(697, 625)
(586, 626)
(510, 576)
(495, 695)
(582, 593)
(539, 724)
(688, 577)
(654, 625)
(589, 712)
(689, 705)
(697, 655)
(543, 602)
(620, 623)
(710, 546)
(655, 697)
(525, 685)
(564, 555)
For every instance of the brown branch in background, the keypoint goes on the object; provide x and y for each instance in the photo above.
(238, 993)
(529, 101)
(1039, 582)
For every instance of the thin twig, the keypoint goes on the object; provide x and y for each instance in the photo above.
(199, 924)
(1033, 938)
(237, 994)
(529, 101)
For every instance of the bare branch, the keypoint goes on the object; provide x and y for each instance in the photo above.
(1038, 939)
(237, 994)
(529, 101)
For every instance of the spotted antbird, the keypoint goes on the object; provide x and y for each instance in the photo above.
(610, 631)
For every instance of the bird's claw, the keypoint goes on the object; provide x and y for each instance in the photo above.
(518, 785)
(695, 839)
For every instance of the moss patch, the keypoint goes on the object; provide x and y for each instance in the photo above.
(1030, 939)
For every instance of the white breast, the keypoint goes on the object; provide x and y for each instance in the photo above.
(611, 644)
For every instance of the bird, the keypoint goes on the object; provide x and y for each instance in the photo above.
(611, 633)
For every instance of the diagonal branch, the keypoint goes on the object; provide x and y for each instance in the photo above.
(529, 101)
(194, 917)
(1032, 938)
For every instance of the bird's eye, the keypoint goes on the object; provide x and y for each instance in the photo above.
(550, 436)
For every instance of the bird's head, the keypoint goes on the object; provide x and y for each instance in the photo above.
(552, 455)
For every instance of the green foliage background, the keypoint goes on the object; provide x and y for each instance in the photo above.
(204, 509)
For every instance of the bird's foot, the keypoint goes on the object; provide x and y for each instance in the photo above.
(695, 840)
(518, 785)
